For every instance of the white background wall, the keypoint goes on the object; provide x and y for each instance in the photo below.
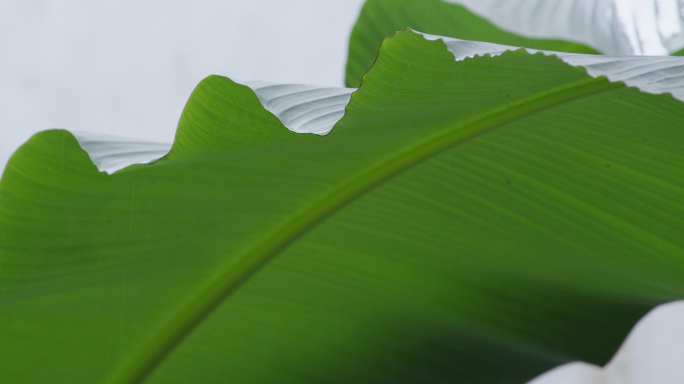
(127, 67)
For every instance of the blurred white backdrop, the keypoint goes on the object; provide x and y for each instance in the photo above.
(127, 68)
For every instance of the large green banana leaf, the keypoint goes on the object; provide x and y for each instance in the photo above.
(478, 221)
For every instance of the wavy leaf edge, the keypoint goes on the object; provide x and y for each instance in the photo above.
(318, 109)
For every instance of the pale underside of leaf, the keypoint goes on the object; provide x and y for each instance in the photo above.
(112, 153)
(303, 108)
(614, 27)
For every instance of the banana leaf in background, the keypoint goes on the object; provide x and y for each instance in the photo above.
(380, 19)
(615, 27)
(612, 27)
(474, 221)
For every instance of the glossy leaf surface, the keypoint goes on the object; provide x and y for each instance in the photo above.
(470, 222)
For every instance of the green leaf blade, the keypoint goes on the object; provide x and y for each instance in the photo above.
(456, 211)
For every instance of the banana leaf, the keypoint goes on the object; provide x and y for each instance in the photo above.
(380, 19)
(473, 221)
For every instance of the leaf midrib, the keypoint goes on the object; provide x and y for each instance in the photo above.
(159, 345)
